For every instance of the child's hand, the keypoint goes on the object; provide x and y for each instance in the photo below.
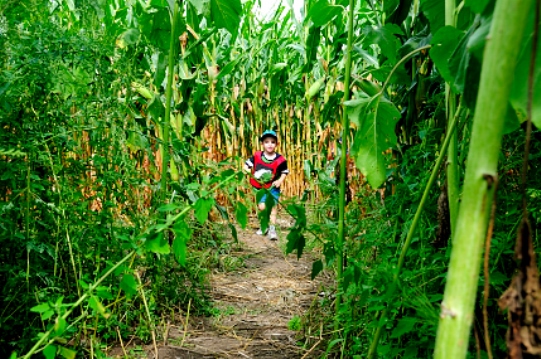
(277, 184)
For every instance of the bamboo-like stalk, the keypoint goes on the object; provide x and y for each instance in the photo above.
(343, 158)
(453, 176)
(168, 93)
(499, 61)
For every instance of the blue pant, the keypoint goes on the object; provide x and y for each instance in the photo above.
(275, 192)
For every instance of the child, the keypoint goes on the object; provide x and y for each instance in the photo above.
(269, 170)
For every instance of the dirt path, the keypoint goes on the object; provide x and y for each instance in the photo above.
(256, 301)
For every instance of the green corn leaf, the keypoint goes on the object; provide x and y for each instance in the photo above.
(226, 14)
(322, 12)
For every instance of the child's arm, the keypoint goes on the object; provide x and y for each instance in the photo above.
(279, 181)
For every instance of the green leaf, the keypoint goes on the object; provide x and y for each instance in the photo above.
(477, 6)
(317, 267)
(226, 14)
(183, 233)
(202, 209)
(67, 353)
(40, 308)
(234, 232)
(322, 12)
(312, 45)
(158, 244)
(49, 352)
(384, 37)
(307, 170)
(60, 326)
(519, 89)
(511, 121)
(443, 44)
(96, 304)
(404, 326)
(241, 212)
(434, 10)
(128, 285)
(299, 213)
(375, 118)
(295, 241)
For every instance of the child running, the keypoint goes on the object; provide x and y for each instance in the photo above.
(269, 170)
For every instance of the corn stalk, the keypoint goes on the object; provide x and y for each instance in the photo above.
(501, 52)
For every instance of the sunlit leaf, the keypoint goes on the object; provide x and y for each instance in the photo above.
(96, 304)
(49, 352)
(67, 353)
(41, 308)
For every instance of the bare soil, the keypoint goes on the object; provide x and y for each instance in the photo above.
(256, 302)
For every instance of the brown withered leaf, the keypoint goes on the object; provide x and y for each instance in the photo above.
(523, 300)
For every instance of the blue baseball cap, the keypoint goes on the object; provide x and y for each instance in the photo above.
(268, 133)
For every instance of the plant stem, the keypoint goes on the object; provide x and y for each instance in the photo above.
(168, 95)
(343, 159)
(453, 177)
(412, 229)
(500, 57)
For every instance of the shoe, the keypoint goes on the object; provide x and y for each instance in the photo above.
(272, 234)
(260, 232)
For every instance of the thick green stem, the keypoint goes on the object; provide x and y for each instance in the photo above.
(168, 95)
(431, 180)
(453, 177)
(501, 52)
(343, 159)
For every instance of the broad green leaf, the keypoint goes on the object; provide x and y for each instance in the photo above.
(158, 244)
(96, 304)
(317, 267)
(519, 89)
(128, 37)
(443, 44)
(404, 326)
(202, 209)
(241, 212)
(295, 241)
(128, 285)
(67, 353)
(49, 352)
(511, 122)
(233, 232)
(226, 14)
(477, 6)
(183, 233)
(322, 12)
(384, 37)
(40, 308)
(299, 213)
(60, 326)
(198, 5)
(375, 118)
(434, 10)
